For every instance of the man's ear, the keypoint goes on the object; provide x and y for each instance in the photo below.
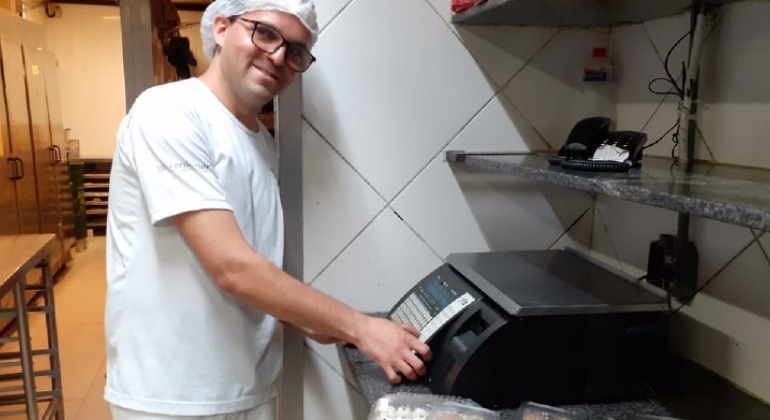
(221, 24)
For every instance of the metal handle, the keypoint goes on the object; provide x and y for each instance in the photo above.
(21, 164)
(12, 165)
(57, 150)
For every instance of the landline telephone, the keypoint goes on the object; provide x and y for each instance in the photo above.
(593, 146)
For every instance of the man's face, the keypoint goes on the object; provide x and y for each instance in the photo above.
(256, 75)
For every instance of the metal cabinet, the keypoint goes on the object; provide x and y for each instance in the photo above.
(35, 184)
(9, 213)
(47, 156)
(21, 151)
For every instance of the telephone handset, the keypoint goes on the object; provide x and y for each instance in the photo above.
(591, 146)
(434, 302)
(620, 152)
(583, 139)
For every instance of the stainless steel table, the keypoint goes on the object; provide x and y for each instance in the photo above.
(20, 255)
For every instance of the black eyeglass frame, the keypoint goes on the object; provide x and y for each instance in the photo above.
(284, 42)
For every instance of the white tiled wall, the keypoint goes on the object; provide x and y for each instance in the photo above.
(550, 91)
(726, 327)
(394, 87)
(736, 104)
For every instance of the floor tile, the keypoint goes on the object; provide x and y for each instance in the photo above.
(94, 407)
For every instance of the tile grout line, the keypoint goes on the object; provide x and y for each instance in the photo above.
(609, 237)
(349, 163)
(348, 245)
(654, 47)
(712, 25)
(761, 247)
(661, 59)
(341, 374)
(662, 63)
(654, 113)
(530, 60)
(500, 89)
(566, 231)
(441, 150)
(540, 135)
(388, 203)
(423, 240)
(334, 18)
(526, 64)
(702, 138)
(357, 235)
(448, 25)
(96, 378)
(473, 117)
(727, 264)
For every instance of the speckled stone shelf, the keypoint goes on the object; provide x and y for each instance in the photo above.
(688, 392)
(730, 194)
(572, 13)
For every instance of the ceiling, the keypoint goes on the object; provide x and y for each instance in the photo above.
(195, 5)
(191, 4)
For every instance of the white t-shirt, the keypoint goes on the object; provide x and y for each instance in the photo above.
(177, 344)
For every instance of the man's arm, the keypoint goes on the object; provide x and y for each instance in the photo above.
(216, 240)
(315, 336)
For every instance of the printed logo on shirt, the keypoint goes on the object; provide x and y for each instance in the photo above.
(184, 166)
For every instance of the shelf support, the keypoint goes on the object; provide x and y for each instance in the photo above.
(688, 107)
(685, 286)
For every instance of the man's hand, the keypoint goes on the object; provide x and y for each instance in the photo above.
(395, 347)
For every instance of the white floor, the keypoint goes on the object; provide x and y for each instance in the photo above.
(79, 295)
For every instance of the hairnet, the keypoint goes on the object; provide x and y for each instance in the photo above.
(304, 10)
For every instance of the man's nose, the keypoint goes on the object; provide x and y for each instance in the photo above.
(279, 56)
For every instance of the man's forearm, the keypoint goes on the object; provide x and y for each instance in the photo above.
(215, 238)
(258, 283)
(237, 269)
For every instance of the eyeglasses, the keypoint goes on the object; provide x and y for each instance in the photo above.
(269, 40)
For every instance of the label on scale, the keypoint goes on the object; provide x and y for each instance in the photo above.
(446, 315)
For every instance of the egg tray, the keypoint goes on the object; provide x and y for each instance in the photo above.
(408, 406)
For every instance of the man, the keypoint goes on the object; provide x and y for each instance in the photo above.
(195, 236)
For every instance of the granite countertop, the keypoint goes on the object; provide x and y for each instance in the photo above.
(570, 14)
(689, 392)
(729, 194)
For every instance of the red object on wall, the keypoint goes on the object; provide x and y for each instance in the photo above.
(462, 5)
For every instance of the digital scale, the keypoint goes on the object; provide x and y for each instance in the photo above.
(547, 326)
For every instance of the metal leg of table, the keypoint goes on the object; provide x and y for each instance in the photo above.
(26, 351)
(53, 338)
